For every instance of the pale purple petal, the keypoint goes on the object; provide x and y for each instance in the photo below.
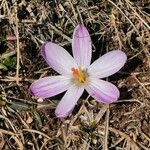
(68, 102)
(102, 91)
(50, 86)
(81, 46)
(58, 58)
(108, 64)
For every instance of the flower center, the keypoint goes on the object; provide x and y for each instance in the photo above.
(79, 75)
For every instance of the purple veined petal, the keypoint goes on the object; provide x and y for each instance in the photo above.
(69, 101)
(58, 58)
(50, 86)
(102, 91)
(107, 64)
(81, 46)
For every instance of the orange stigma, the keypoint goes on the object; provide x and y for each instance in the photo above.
(79, 75)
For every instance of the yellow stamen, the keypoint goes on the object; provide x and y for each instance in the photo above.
(79, 75)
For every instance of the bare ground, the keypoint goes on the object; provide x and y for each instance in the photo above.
(27, 123)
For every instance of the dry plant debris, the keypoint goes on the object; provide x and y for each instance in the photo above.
(30, 123)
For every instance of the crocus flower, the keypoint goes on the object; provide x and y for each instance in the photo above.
(77, 74)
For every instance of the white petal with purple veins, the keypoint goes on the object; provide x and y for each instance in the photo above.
(68, 102)
(102, 91)
(58, 58)
(81, 46)
(50, 86)
(107, 64)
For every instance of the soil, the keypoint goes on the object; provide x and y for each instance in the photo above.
(27, 122)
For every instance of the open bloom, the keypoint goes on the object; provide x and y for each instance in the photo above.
(77, 73)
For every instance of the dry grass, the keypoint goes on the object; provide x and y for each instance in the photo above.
(27, 123)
